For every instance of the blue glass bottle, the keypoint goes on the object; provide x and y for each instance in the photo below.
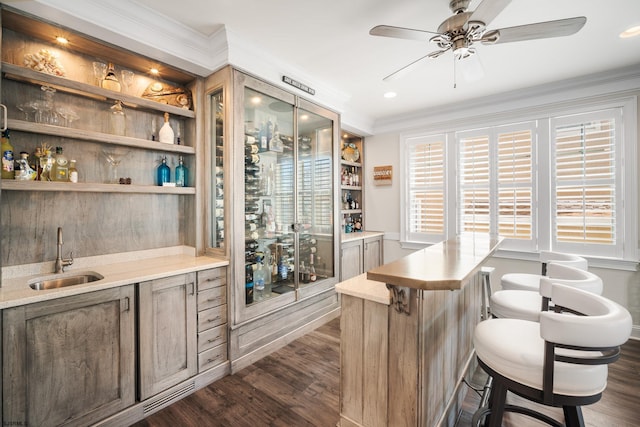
(182, 174)
(163, 172)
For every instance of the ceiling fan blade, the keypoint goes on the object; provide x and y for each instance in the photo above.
(487, 10)
(540, 30)
(404, 70)
(401, 33)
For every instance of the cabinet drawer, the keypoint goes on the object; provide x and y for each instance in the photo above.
(212, 337)
(212, 298)
(212, 278)
(212, 317)
(210, 358)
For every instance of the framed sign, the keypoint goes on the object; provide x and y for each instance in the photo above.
(382, 175)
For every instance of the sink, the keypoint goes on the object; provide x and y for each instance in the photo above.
(61, 281)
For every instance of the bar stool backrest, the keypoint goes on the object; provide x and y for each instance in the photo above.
(570, 276)
(571, 260)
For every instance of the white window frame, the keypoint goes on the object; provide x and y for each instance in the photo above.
(626, 258)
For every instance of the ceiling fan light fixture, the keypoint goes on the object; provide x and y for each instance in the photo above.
(630, 32)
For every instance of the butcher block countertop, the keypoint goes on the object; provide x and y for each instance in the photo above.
(443, 266)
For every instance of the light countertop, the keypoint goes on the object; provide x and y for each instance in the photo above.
(15, 291)
(443, 266)
(361, 287)
(349, 237)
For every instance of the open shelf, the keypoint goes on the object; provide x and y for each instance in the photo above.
(62, 84)
(82, 187)
(106, 138)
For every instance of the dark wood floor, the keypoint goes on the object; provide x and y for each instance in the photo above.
(299, 386)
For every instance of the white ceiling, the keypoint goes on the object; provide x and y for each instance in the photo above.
(329, 42)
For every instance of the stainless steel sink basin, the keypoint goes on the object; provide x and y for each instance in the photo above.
(61, 281)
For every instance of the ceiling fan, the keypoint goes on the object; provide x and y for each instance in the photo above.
(463, 29)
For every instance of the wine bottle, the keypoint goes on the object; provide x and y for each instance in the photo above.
(248, 284)
(166, 134)
(73, 172)
(110, 80)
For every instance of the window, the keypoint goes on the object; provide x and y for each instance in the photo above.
(586, 181)
(425, 166)
(564, 182)
(495, 183)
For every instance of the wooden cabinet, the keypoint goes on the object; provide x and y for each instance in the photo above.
(167, 333)
(360, 255)
(352, 259)
(69, 361)
(212, 318)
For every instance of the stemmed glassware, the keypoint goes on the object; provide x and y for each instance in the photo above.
(114, 158)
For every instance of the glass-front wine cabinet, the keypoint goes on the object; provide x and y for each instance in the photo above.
(280, 185)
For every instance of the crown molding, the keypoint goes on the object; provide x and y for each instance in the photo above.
(623, 80)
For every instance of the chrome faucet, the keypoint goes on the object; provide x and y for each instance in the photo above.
(61, 263)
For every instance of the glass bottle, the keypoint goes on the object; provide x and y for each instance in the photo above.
(73, 172)
(7, 156)
(24, 172)
(46, 163)
(182, 173)
(117, 119)
(166, 133)
(60, 169)
(110, 80)
(248, 284)
(258, 280)
(163, 173)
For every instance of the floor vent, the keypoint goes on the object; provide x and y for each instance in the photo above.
(164, 400)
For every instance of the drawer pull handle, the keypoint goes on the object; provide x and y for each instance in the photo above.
(214, 359)
(213, 299)
(214, 339)
(214, 319)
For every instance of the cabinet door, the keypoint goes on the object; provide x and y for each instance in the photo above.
(351, 259)
(69, 361)
(372, 253)
(168, 336)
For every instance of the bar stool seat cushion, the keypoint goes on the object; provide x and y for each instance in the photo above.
(520, 281)
(511, 304)
(514, 349)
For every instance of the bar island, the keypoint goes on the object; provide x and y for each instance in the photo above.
(406, 335)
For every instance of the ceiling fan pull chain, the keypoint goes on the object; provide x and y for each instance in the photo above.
(454, 70)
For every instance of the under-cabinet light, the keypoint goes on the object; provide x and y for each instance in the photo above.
(62, 40)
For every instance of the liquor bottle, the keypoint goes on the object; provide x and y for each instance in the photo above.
(38, 154)
(248, 284)
(7, 156)
(182, 173)
(258, 280)
(46, 163)
(73, 172)
(60, 168)
(166, 133)
(110, 80)
(163, 173)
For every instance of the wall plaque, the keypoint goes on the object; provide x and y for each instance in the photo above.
(297, 84)
(382, 175)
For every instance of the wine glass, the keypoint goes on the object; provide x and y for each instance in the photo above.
(114, 157)
(99, 71)
(127, 79)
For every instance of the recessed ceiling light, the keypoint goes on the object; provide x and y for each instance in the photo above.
(256, 100)
(390, 95)
(630, 32)
(62, 39)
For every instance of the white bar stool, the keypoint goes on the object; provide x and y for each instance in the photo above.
(527, 305)
(531, 282)
(560, 361)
